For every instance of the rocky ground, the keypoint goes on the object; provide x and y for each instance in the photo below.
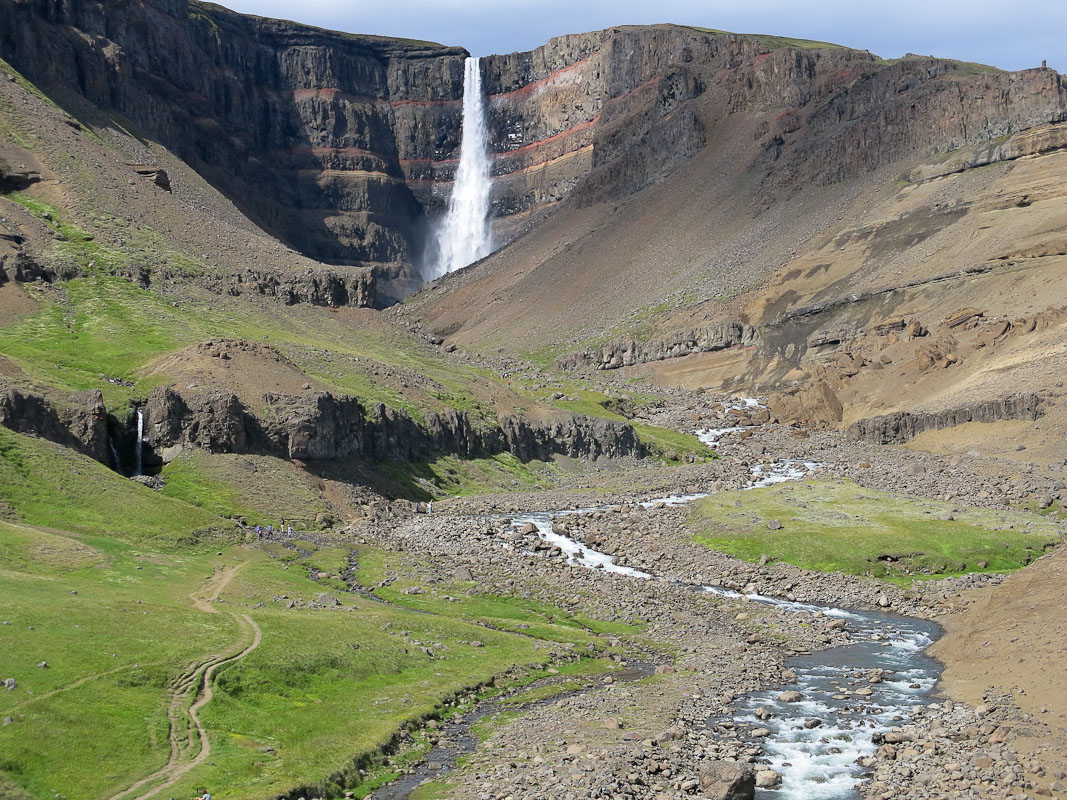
(665, 736)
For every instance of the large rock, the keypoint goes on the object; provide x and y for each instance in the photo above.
(212, 420)
(726, 780)
(81, 424)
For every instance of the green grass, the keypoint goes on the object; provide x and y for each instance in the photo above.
(963, 67)
(776, 42)
(102, 326)
(128, 628)
(258, 489)
(831, 525)
(451, 476)
(44, 484)
(108, 608)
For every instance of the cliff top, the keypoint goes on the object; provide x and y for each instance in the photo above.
(289, 30)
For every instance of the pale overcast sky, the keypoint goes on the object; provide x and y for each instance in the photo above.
(1007, 34)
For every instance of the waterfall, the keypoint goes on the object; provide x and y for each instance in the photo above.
(464, 235)
(115, 460)
(138, 469)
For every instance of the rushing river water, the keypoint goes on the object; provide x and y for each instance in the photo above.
(849, 693)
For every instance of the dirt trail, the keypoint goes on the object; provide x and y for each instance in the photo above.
(191, 691)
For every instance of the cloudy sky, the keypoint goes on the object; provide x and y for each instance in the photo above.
(1012, 34)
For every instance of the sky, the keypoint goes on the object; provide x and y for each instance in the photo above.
(1011, 34)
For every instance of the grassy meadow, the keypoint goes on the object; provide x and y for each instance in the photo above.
(837, 525)
(99, 576)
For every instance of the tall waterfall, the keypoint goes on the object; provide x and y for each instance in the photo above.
(464, 235)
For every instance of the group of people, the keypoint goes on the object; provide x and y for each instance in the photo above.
(270, 530)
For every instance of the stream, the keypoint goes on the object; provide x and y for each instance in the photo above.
(458, 738)
(849, 694)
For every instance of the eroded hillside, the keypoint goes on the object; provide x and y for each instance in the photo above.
(858, 238)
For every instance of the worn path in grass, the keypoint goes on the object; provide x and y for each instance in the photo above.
(186, 729)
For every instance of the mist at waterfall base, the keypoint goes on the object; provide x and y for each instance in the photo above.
(463, 236)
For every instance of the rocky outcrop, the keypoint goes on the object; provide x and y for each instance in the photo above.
(306, 130)
(576, 436)
(326, 427)
(18, 264)
(15, 178)
(1033, 142)
(902, 426)
(330, 287)
(214, 420)
(81, 424)
(627, 352)
(86, 419)
(24, 412)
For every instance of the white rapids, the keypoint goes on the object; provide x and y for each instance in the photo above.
(821, 762)
(465, 235)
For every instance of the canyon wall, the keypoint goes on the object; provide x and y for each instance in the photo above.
(342, 145)
(345, 146)
(316, 427)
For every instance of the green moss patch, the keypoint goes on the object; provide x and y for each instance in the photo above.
(831, 525)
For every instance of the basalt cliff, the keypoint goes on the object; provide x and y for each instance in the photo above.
(344, 146)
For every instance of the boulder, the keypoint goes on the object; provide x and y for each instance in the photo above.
(768, 779)
(727, 780)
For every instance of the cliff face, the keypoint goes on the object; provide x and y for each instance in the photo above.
(344, 146)
(326, 427)
(306, 130)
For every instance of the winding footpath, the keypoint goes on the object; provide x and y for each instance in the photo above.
(190, 692)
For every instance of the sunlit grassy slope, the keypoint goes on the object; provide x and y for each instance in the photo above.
(834, 525)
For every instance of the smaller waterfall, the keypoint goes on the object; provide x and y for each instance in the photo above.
(138, 460)
(116, 462)
(464, 235)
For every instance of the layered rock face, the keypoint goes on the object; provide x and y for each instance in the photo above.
(317, 427)
(326, 427)
(903, 426)
(345, 146)
(306, 130)
(82, 425)
(341, 145)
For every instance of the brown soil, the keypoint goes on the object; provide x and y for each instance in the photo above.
(247, 369)
(1012, 640)
(15, 303)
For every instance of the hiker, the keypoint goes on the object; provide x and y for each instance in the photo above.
(290, 530)
(270, 530)
(429, 507)
(259, 530)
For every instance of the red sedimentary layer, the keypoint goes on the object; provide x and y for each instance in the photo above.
(530, 87)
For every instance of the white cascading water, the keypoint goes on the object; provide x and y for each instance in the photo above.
(464, 235)
(819, 763)
(138, 469)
